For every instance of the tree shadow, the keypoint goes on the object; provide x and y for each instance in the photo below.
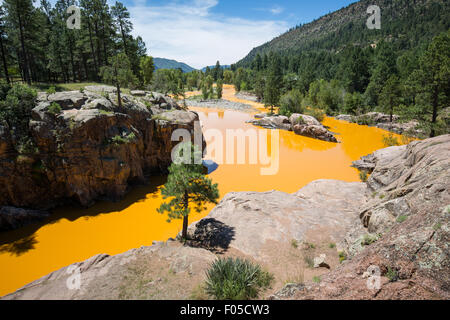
(22, 239)
(212, 235)
(20, 246)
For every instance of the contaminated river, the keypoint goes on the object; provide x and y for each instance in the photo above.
(74, 234)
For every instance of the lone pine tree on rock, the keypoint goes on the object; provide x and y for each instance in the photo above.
(187, 185)
(119, 73)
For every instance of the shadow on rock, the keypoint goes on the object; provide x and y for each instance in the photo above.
(212, 235)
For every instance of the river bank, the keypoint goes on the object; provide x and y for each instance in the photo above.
(76, 234)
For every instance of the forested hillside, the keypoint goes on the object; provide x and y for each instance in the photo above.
(161, 63)
(336, 64)
(37, 46)
(406, 23)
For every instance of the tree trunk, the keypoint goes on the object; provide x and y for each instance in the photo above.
(26, 66)
(92, 49)
(435, 112)
(123, 39)
(5, 66)
(186, 217)
(392, 110)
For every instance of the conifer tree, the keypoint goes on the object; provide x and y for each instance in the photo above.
(187, 185)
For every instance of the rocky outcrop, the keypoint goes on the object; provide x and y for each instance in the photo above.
(164, 271)
(13, 218)
(383, 121)
(91, 149)
(396, 225)
(257, 226)
(402, 234)
(301, 124)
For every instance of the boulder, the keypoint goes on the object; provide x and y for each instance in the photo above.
(138, 93)
(315, 132)
(101, 88)
(68, 99)
(344, 117)
(13, 218)
(272, 122)
(319, 262)
(305, 119)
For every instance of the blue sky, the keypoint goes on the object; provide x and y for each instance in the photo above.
(200, 32)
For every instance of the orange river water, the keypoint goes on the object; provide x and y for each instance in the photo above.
(75, 234)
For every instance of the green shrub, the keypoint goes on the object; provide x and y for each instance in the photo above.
(401, 219)
(368, 239)
(291, 102)
(236, 279)
(316, 279)
(54, 108)
(15, 108)
(332, 245)
(342, 256)
(364, 120)
(363, 175)
(390, 141)
(119, 140)
(294, 243)
(392, 274)
(51, 90)
(316, 113)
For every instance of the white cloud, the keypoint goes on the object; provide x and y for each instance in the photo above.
(190, 33)
(276, 10)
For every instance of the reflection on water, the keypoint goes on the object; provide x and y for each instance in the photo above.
(75, 234)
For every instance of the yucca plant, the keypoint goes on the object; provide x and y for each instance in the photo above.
(236, 279)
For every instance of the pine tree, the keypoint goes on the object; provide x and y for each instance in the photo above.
(2, 44)
(219, 88)
(147, 69)
(187, 185)
(272, 90)
(118, 73)
(390, 95)
(433, 81)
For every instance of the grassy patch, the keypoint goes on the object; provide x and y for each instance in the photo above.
(401, 219)
(342, 256)
(294, 243)
(199, 293)
(316, 279)
(332, 245)
(390, 141)
(236, 279)
(159, 117)
(368, 239)
(118, 140)
(437, 226)
(309, 261)
(392, 274)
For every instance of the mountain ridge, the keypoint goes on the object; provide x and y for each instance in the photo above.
(163, 63)
(347, 25)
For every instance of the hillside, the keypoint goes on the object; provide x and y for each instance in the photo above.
(161, 63)
(408, 23)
